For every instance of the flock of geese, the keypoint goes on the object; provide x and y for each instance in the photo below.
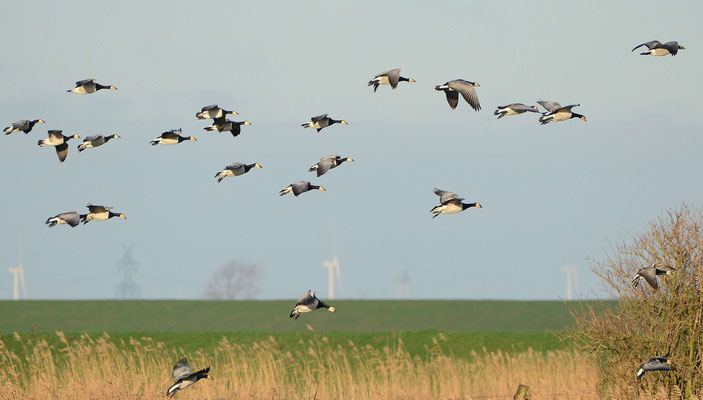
(450, 203)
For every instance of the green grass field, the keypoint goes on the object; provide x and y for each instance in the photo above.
(272, 316)
(508, 326)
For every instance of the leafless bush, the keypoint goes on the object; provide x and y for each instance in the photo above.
(648, 322)
(234, 280)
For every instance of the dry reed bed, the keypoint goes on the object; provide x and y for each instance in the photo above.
(100, 368)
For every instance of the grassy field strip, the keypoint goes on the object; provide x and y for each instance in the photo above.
(272, 316)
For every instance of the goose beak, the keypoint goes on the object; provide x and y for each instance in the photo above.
(411, 80)
(583, 118)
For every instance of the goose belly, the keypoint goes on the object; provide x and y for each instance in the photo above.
(99, 216)
(452, 209)
(382, 80)
(659, 52)
(561, 116)
(168, 141)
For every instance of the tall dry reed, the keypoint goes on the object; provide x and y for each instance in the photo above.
(101, 368)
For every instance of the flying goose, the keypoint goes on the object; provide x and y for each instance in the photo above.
(555, 112)
(95, 140)
(654, 364)
(657, 49)
(88, 86)
(514, 109)
(308, 302)
(171, 137)
(650, 273)
(222, 125)
(213, 111)
(466, 88)
(22, 126)
(99, 213)
(327, 163)
(69, 218)
(235, 169)
(183, 377)
(299, 187)
(322, 121)
(391, 77)
(450, 203)
(58, 140)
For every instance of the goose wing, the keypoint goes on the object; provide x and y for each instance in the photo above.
(549, 105)
(95, 209)
(662, 269)
(234, 166)
(209, 107)
(445, 195)
(181, 369)
(467, 91)
(318, 118)
(325, 165)
(62, 151)
(520, 107)
(308, 298)
(650, 45)
(393, 77)
(649, 274)
(72, 218)
(300, 187)
(85, 81)
(55, 135)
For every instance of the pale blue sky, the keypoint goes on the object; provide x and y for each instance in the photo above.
(553, 195)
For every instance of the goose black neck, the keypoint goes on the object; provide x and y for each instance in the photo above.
(320, 304)
(464, 206)
(403, 79)
(313, 187)
(335, 121)
(574, 115)
(248, 167)
(108, 137)
(99, 86)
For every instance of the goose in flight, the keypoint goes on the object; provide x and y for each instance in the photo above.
(88, 86)
(308, 302)
(466, 88)
(391, 78)
(171, 137)
(327, 163)
(322, 121)
(22, 126)
(650, 273)
(58, 140)
(235, 169)
(300, 187)
(654, 364)
(214, 111)
(555, 112)
(100, 213)
(450, 203)
(656, 48)
(183, 377)
(93, 141)
(513, 109)
(224, 125)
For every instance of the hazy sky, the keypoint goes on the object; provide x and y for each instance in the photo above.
(553, 195)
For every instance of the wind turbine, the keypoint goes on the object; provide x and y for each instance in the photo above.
(332, 269)
(18, 276)
(402, 281)
(572, 280)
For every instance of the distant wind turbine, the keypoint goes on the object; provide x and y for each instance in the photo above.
(572, 280)
(402, 281)
(18, 276)
(332, 269)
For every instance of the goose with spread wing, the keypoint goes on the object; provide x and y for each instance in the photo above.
(58, 141)
(93, 141)
(100, 213)
(391, 78)
(309, 302)
(89, 86)
(171, 137)
(300, 187)
(656, 48)
(327, 163)
(22, 126)
(650, 273)
(450, 203)
(514, 109)
(235, 169)
(322, 121)
(654, 364)
(224, 125)
(556, 112)
(70, 218)
(466, 88)
(214, 111)
(183, 377)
